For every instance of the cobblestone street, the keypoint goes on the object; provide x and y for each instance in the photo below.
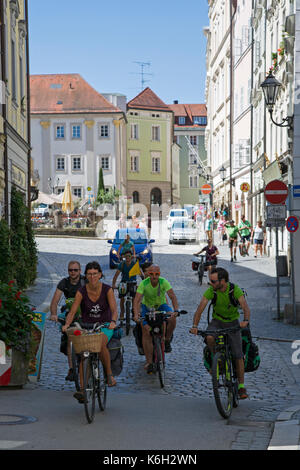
(275, 384)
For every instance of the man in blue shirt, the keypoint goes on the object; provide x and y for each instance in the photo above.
(124, 268)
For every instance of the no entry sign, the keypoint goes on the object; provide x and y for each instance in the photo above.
(292, 224)
(276, 192)
(206, 189)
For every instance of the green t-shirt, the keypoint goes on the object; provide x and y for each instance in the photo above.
(245, 232)
(223, 309)
(232, 231)
(154, 296)
(126, 246)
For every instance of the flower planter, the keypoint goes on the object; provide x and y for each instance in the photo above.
(13, 369)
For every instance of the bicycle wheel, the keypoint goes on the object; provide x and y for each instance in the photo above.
(200, 273)
(159, 360)
(222, 385)
(75, 366)
(101, 388)
(127, 315)
(89, 389)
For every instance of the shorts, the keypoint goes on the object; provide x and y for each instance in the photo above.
(145, 309)
(212, 262)
(258, 242)
(235, 339)
(232, 242)
(108, 333)
(245, 237)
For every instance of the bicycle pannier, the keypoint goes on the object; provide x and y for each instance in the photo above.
(116, 352)
(250, 350)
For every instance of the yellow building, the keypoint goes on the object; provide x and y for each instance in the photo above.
(15, 162)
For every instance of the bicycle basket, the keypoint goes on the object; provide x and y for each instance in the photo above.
(87, 342)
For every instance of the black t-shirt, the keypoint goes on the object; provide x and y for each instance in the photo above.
(69, 289)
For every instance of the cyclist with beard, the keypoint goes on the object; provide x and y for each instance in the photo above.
(225, 315)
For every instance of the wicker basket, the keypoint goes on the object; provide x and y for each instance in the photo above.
(87, 342)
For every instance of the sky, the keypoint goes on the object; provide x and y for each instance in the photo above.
(102, 40)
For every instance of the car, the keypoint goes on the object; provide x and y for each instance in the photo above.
(142, 245)
(177, 214)
(183, 231)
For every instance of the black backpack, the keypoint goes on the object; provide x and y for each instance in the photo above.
(233, 300)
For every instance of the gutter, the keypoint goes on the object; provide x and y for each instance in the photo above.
(3, 78)
(28, 110)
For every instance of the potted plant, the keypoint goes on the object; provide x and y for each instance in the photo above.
(16, 315)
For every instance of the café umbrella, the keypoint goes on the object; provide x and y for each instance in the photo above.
(67, 202)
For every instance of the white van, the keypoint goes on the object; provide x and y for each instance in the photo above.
(176, 214)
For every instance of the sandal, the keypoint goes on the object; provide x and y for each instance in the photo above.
(111, 381)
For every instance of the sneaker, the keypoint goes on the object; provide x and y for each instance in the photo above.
(79, 396)
(235, 258)
(242, 393)
(150, 369)
(231, 260)
(168, 347)
(70, 376)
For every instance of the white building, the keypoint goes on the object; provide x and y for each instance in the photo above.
(75, 132)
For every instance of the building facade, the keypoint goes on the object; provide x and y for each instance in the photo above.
(189, 135)
(15, 160)
(75, 132)
(149, 150)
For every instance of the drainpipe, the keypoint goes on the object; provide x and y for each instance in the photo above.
(3, 78)
(28, 109)
(232, 10)
(251, 131)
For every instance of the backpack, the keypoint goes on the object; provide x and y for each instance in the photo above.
(233, 300)
(116, 352)
(250, 350)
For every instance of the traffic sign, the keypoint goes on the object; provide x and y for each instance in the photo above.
(276, 192)
(276, 211)
(245, 187)
(296, 190)
(292, 224)
(206, 189)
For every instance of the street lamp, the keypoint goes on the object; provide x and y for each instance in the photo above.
(271, 87)
(222, 173)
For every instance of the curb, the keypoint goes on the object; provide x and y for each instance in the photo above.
(286, 434)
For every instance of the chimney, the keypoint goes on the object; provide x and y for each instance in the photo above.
(175, 101)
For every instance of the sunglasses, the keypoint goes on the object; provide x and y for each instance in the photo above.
(214, 281)
(73, 270)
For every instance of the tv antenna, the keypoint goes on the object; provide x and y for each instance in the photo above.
(142, 73)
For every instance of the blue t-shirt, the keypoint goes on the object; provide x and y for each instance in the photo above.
(125, 271)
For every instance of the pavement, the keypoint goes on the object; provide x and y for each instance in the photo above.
(271, 420)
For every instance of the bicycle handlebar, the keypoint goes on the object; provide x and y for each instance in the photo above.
(204, 333)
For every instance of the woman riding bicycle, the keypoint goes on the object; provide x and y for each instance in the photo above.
(98, 305)
(211, 252)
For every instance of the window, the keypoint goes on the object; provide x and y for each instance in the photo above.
(135, 197)
(60, 164)
(134, 163)
(60, 190)
(76, 131)
(156, 133)
(155, 165)
(104, 131)
(193, 181)
(13, 71)
(76, 163)
(77, 192)
(60, 131)
(193, 159)
(200, 120)
(134, 131)
(181, 120)
(105, 163)
(193, 139)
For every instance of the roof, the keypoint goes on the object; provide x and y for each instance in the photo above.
(188, 110)
(147, 99)
(66, 93)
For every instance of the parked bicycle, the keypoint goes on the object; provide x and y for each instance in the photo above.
(156, 320)
(93, 376)
(127, 290)
(223, 372)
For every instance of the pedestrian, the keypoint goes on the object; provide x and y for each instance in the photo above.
(221, 230)
(258, 235)
(209, 226)
(232, 231)
(122, 221)
(245, 232)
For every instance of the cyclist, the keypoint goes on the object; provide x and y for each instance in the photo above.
(67, 286)
(126, 245)
(225, 315)
(151, 293)
(98, 304)
(211, 252)
(245, 232)
(233, 231)
(124, 268)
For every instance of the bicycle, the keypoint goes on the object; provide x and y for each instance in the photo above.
(156, 320)
(201, 259)
(92, 373)
(223, 371)
(127, 290)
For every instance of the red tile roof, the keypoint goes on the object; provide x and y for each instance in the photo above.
(147, 99)
(188, 109)
(66, 93)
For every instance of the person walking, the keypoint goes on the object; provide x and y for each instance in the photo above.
(232, 231)
(221, 230)
(209, 226)
(245, 232)
(258, 235)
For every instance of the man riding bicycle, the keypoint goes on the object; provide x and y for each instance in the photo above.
(225, 315)
(67, 286)
(124, 268)
(151, 293)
